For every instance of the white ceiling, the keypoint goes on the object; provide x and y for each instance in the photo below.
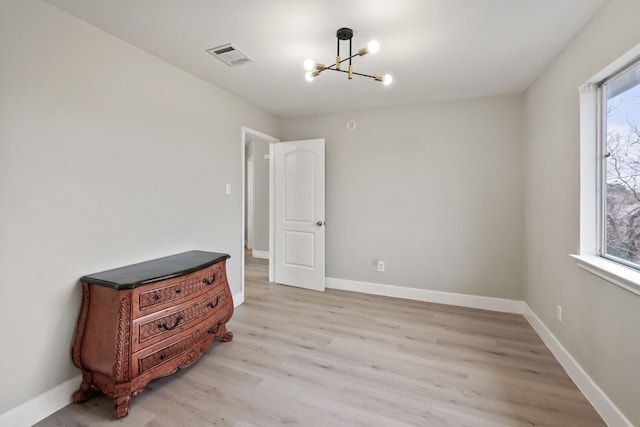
(434, 49)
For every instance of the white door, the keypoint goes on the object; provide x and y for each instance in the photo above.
(299, 213)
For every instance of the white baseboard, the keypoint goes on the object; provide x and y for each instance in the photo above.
(260, 254)
(41, 406)
(594, 394)
(473, 301)
(238, 299)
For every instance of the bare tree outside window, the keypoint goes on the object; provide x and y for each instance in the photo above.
(621, 204)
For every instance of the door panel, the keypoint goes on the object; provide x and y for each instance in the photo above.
(299, 186)
(299, 249)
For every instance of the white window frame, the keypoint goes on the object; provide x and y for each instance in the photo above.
(602, 142)
(590, 256)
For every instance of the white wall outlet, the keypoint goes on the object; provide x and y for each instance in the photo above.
(228, 189)
(559, 313)
(380, 265)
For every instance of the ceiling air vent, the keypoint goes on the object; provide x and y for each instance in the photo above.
(230, 55)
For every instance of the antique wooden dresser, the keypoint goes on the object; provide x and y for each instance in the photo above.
(148, 320)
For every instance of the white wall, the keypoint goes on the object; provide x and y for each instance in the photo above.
(601, 326)
(108, 156)
(433, 190)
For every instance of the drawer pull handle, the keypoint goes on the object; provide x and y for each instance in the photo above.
(209, 282)
(214, 304)
(163, 325)
(214, 330)
(156, 297)
(163, 356)
(178, 290)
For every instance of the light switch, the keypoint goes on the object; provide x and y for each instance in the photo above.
(228, 189)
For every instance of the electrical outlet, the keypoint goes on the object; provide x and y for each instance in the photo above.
(380, 265)
(559, 313)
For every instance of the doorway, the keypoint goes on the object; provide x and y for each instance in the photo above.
(300, 219)
(255, 197)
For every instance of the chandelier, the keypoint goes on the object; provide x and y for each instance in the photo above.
(314, 69)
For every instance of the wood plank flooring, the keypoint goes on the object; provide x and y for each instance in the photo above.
(346, 359)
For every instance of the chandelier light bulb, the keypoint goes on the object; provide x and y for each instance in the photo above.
(309, 76)
(373, 47)
(387, 79)
(309, 64)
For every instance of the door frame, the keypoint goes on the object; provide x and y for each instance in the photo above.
(246, 134)
(249, 202)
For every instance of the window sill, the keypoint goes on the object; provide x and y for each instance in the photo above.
(625, 277)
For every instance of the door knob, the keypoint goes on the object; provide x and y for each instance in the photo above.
(319, 223)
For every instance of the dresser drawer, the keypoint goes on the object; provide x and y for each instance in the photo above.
(164, 352)
(153, 297)
(155, 327)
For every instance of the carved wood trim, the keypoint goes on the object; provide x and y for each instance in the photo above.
(123, 342)
(86, 390)
(76, 347)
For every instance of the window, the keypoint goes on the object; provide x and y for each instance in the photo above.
(620, 153)
(610, 173)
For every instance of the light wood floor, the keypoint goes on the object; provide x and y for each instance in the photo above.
(345, 359)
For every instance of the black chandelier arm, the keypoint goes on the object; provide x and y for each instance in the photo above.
(353, 72)
(332, 66)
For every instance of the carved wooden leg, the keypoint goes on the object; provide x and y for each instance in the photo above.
(123, 403)
(86, 390)
(226, 337)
